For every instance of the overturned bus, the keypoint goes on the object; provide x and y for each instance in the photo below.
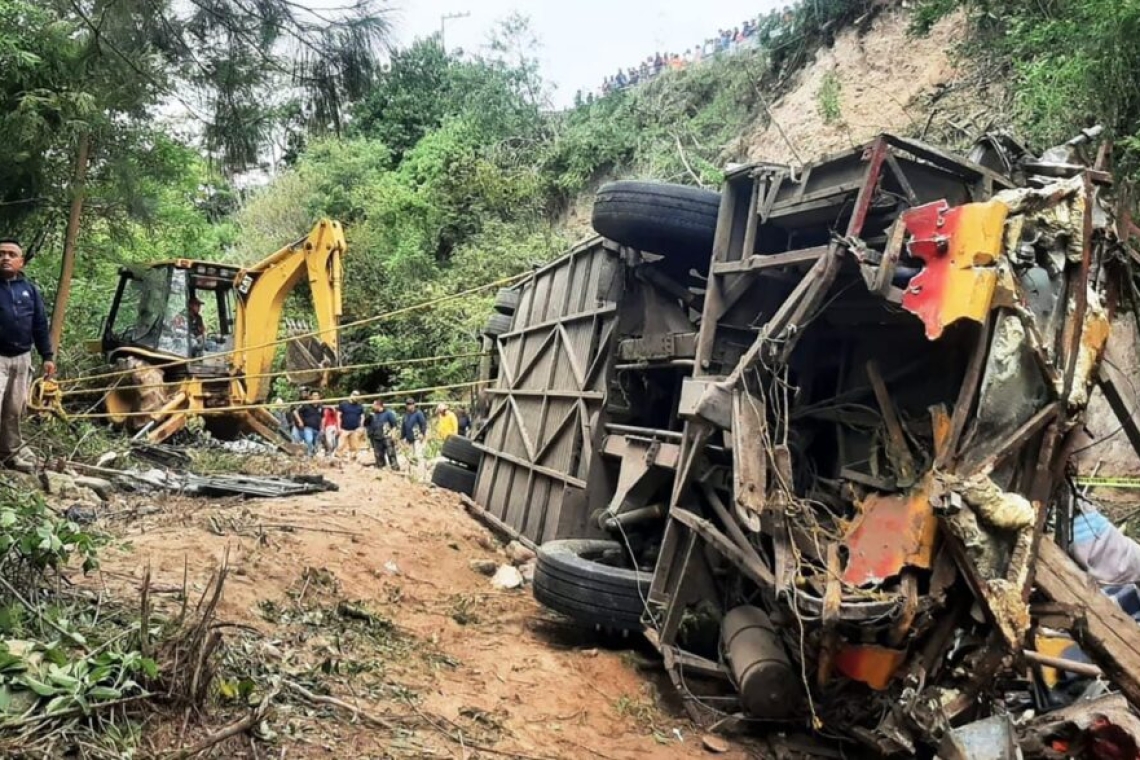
(810, 434)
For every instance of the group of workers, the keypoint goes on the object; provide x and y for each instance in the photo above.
(349, 424)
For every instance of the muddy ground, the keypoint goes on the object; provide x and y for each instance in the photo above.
(367, 595)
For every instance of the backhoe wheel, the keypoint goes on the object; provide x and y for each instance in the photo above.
(677, 222)
(453, 477)
(461, 450)
(506, 301)
(572, 577)
(497, 325)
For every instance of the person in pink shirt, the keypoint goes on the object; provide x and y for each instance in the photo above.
(330, 429)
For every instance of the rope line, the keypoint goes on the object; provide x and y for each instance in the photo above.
(314, 333)
(342, 368)
(285, 404)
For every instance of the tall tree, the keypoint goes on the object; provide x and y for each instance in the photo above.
(92, 76)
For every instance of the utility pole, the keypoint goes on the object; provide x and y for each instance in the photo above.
(443, 19)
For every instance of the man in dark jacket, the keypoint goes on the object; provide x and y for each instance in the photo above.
(381, 428)
(413, 431)
(350, 415)
(307, 418)
(23, 322)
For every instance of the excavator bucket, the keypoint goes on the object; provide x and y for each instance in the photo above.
(308, 360)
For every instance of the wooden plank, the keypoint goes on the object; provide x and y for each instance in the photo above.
(1119, 406)
(521, 422)
(886, 271)
(749, 460)
(898, 450)
(1105, 632)
(987, 455)
(525, 370)
(538, 393)
(751, 222)
(826, 193)
(561, 476)
(947, 161)
(1079, 287)
(494, 523)
(967, 393)
(897, 170)
(575, 367)
(757, 573)
(767, 261)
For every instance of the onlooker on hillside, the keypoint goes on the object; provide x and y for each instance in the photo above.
(350, 415)
(307, 419)
(382, 424)
(464, 421)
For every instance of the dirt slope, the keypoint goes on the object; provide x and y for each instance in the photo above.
(872, 80)
(493, 662)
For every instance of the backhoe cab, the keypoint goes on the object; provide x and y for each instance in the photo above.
(200, 338)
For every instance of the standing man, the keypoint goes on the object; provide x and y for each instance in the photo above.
(381, 426)
(350, 415)
(413, 431)
(447, 424)
(23, 322)
(307, 418)
(464, 422)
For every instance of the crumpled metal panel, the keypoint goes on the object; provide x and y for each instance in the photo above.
(870, 664)
(890, 533)
(988, 739)
(958, 247)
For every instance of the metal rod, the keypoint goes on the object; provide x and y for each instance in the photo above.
(646, 432)
(1070, 666)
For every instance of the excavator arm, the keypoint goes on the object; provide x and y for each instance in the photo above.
(261, 292)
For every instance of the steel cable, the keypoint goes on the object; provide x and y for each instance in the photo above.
(314, 333)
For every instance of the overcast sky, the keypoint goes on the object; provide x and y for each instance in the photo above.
(581, 41)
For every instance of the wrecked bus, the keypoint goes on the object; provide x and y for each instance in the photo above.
(810, 434)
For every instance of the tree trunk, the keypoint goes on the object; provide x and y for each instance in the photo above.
(67, 265)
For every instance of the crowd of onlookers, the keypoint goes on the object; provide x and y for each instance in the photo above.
(751, 33)
(350, 427)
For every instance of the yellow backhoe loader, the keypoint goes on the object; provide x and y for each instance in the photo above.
(194, 336)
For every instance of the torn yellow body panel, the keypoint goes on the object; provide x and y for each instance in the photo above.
(1094, 337)
(959, 248)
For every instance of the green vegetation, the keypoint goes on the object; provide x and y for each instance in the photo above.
(1070, 64)
(828, 98)
(470, 187)
(1075, 63)
(448, 173)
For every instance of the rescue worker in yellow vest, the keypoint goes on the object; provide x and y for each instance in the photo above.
(446, 423)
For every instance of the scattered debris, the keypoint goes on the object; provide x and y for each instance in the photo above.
(102, 487)
(189, 484)
(519, 554)
(485, 567)
(714, 744)
(507, 577)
